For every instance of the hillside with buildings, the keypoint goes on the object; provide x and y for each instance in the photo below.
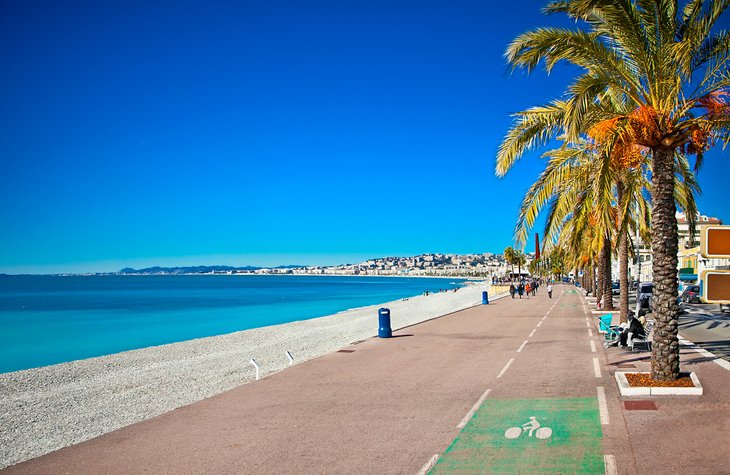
(451, 265)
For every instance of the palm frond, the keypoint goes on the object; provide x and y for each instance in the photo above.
(532, 128)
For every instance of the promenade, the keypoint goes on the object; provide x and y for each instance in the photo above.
(441, 396)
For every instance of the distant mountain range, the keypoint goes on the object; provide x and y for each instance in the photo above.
(197, 269)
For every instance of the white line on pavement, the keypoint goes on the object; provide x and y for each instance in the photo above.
(544, 317)
(590, 332)
(532, 333)
(429, 465)
(593, 346)
(588, 324)
(602, 406)
(505, 368)
(474, 409)
(519, 350)
(705, 353)
(723, 363)
(610, 463)
(539, 323)
(596, 368)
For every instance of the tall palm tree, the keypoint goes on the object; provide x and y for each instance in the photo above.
(674, 71)
(568, 184)
(519, 258)
(509, 257)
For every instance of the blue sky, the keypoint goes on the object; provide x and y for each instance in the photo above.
(264, 133)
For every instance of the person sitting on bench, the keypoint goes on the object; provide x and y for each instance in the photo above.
(636, 329)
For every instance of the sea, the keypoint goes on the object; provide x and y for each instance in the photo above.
(46, 319)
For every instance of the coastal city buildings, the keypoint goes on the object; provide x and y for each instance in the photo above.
(451, 265)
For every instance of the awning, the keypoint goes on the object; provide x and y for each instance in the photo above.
(687, 276)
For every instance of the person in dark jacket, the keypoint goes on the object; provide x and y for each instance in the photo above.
(636, 328)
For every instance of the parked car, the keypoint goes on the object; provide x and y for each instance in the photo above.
(691, 294)
(616, 288)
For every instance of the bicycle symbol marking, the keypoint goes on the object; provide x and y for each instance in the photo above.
(532, 426)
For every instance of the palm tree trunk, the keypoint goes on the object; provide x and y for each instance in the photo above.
(665, 353)
(601, 270)
(623, 259)
(607, 281)
(593, 281)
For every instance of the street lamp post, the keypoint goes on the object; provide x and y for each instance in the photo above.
(638, 263)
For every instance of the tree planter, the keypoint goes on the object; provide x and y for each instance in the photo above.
(627, 389)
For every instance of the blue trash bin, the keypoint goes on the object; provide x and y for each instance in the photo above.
(384, 330)
(485, 298)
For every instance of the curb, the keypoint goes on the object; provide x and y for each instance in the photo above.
(627, 390)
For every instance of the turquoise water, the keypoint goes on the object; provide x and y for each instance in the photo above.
(53, 319)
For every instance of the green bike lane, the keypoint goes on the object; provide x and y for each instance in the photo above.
(542, 411)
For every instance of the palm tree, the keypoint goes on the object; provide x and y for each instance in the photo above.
(673, 70)
(509, 258)
(520, 260)
(568, 184)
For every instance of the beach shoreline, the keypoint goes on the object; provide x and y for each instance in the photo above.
(45, 409)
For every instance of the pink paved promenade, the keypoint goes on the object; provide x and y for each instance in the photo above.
(393, 405)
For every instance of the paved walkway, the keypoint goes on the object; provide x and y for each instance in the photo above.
(517, 386)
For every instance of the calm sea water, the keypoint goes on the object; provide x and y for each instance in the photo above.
(53, 319)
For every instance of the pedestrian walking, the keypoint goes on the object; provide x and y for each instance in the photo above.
(528, 289)
(520, 290)
(512, 290)
(550, 290)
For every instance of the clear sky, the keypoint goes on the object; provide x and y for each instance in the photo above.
(264, 132)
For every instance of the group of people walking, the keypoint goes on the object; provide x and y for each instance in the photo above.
(526, 288)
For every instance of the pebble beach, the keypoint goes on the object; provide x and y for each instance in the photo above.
(45, 409)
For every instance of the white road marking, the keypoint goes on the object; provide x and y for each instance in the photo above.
(519, 350)
(610, 463)
(532, 333)
(705, 353)
(544, 317)
(602, 406)
(429, 465)
(588, 324)
(505, 368)
(590, 332)
(474, 408)
(593, 346)
(596, 368)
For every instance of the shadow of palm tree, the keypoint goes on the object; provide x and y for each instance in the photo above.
(708, 321)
